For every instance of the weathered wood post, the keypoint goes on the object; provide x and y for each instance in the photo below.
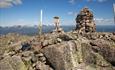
(56, 22)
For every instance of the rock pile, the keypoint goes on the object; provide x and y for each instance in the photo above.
(60, 51)
(21, 55)
(85, 22)
(91, 51)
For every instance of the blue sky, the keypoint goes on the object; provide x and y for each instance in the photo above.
(27, 12)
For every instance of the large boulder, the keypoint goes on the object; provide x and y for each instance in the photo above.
(12, 63)
(105, 48)
(61, 56)
(75, 54)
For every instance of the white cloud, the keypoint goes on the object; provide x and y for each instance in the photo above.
(102, 0)
(16, 2)
(72, 13)
(9, 3)
(74, 1)
(98, 21)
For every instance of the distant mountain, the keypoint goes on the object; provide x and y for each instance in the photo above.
(28, 30)
(33, 30)
(18, 29)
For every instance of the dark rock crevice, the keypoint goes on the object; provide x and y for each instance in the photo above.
(49, 63)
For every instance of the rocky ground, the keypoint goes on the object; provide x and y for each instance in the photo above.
(58, 51)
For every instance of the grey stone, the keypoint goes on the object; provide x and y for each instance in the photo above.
(27, 53)
(45, 43)
(34, 59)
(42, 66)
(42, 59)
(61, 56)
(40, 55)
(12, 63)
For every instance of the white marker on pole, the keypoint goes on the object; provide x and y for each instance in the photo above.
(40, 24)
(114, 11)
(41, 17)
(114, 7)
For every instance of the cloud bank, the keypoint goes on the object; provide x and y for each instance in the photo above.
(9, 3)
(102, 21)
(72, 13)
(74, 1)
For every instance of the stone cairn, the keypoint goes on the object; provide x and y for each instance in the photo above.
(58, 29)
(85, 22)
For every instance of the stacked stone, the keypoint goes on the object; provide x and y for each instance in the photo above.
(58, 29)
(85, 22)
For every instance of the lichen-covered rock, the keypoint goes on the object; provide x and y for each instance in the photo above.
(113, 38)
(61, 56)
(36, 46)
(42, 66)
(105, 48)
(26, 53)
(77, 54)
(12, 63)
